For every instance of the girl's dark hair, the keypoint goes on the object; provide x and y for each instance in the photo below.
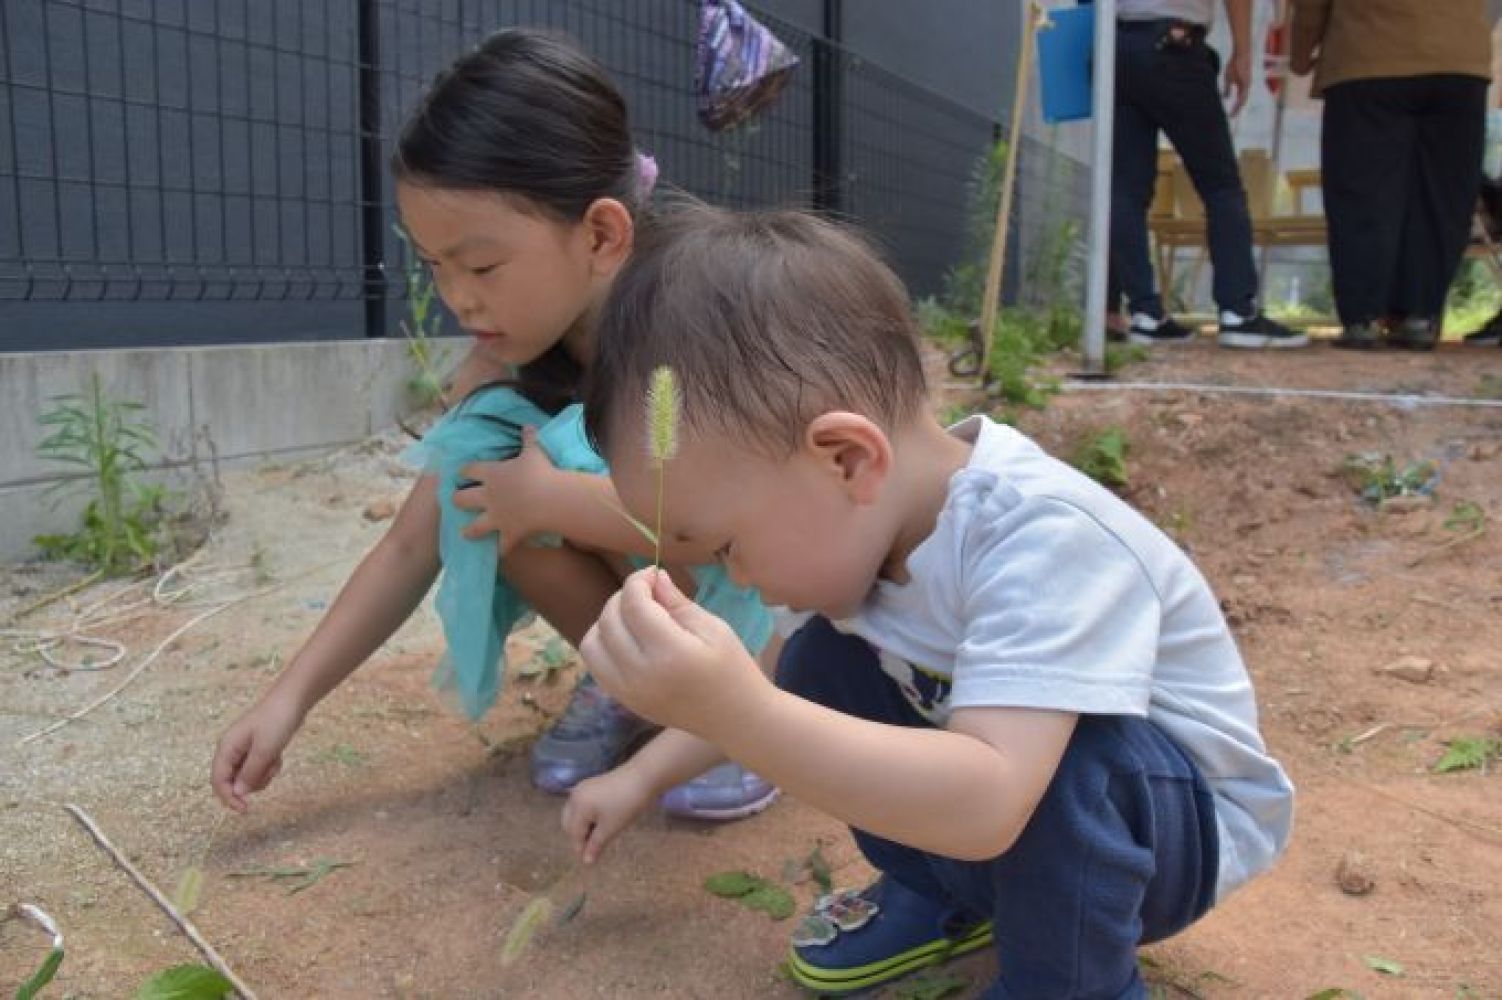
(767, 318)
(526, 114)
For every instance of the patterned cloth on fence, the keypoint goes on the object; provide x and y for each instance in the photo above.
(739, 65)
(478, 608)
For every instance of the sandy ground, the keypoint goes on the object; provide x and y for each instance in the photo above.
(449, 841)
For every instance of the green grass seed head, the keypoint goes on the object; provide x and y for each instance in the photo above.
(664, 407)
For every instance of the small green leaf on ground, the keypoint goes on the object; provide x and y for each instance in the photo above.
(1102, 457)
(930, 986)
(301, 876)
(819, 870)
(532, 917)
(545, 664)
(1465, 516)
(752, 892)
(189, 890)
(343, 753)
(185, 982)
(729, 885)
(1386, 966)
(1334, 993)
(1467, 753)
(42, 976)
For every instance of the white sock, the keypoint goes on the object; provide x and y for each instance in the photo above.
(1142, 321)
(1227, 316)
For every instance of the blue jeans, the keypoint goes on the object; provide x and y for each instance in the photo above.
(1121, 851)
(1174, 90)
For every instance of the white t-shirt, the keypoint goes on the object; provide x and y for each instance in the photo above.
(1038, 588)
(1193, 11)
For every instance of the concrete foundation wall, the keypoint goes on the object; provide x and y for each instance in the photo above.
(231, 405)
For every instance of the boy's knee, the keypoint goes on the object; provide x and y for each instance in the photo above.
(812, 658)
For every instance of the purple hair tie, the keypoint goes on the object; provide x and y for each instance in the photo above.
(646, 175)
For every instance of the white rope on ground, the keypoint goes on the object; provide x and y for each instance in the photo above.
(1401, 400)
(83, 629)
(136, 671)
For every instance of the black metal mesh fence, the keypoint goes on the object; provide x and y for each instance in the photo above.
(210, 151)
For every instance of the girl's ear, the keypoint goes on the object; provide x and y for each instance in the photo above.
(852, 449)
(610, 232)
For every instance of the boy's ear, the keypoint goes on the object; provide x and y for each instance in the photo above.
(853, 449)
(611, 232)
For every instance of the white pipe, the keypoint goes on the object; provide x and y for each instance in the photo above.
(1405, 401)
(1104, 118)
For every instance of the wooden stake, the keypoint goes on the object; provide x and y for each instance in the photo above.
(1036, 18)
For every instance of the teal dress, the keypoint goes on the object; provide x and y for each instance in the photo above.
(477, 607)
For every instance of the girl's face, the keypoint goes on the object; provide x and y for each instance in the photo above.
(518, 280)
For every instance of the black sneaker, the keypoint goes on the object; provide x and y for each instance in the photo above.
(1146, 329)
(1488, 336)
(1415, 334)
(1256, 332)
(1359, 337)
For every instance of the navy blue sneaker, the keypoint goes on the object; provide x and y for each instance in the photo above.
(855, 941)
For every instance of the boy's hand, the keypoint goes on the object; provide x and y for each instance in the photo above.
(512, 496)
(666, 658)
(249, 754)
(599, 808)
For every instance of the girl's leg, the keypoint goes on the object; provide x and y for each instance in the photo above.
(569, 588)
(566, 586)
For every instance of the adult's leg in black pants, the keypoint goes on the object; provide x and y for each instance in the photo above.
(1134, 172)
(1185, 101)
(1366, 153)
(1445, 179)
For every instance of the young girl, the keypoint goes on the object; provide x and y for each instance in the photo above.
(516, 181)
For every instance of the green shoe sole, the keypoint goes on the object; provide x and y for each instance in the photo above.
(863, 977)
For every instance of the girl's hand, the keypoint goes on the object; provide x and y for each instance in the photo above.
(513, 496)
(249, 754)
(666, 658)
(599, 808)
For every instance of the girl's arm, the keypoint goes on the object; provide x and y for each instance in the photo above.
(381, 594)
(527, 495)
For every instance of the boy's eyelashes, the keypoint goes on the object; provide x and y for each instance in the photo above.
(722, 553)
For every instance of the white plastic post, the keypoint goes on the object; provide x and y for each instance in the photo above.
(1099, 233)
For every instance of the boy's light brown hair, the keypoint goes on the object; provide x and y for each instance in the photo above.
(767, 318)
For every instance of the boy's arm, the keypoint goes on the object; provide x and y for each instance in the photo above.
(965, 793)
(674, 756)
(600, 808)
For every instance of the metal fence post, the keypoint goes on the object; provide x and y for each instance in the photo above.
(372, 206)
(829, 107)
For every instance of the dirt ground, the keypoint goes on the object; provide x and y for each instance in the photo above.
(448, 840)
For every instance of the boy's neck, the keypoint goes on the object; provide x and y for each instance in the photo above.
(926, 458)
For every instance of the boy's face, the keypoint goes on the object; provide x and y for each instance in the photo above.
(807, 531)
